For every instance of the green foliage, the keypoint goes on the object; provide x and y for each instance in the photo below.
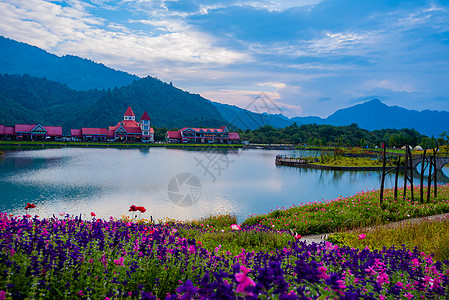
(360, 210)
(429, 236)
(32, 100)
(328, 135)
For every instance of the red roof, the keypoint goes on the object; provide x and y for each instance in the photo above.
(129, 112)
(76, 132)
(234, 136)
(95, 131)
(132, 130)
(145, 116)
(2, 129)
(204, 129)
(27, 128)
(53, 130)
(9, 130)
(174, 134)
(19, 128)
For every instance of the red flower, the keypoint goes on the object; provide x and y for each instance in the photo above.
(92, 214)
(141, 209)
(137, 208)
(29, 205)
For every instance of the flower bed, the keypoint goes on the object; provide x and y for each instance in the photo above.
(71, 258)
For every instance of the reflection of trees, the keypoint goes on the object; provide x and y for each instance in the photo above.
(332, 178)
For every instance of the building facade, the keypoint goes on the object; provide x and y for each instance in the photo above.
(203, 136)
(128, 130)
(31, 132)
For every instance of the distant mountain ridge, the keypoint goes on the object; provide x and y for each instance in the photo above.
(77, 73)
(24, 99)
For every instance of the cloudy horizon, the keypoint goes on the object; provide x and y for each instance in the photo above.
(310, 57)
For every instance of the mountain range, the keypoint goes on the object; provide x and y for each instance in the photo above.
(40, 87)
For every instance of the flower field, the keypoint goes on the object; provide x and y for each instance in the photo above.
(74, 259)
(360, 210)
(213, 258)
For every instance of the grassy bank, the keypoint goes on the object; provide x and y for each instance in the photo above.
(360, 210)
(427, 235)
(112, 144)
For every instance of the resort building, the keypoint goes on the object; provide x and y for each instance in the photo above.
(202, 136)
(31, 132)
(127, 130)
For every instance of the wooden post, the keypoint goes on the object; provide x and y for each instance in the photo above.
(435, 192)
(405, 173)
(421, 192)
(398, 163)
(411, 173)
(383, 177)
(429, 182)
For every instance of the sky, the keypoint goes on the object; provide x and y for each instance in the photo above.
(308, 57)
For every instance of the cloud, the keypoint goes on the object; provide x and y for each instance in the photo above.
(271, 103)
(390, 85)
(72, 30)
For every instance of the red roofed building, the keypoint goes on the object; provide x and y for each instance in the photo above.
(202, 135)
(126, 130)
(35, 132)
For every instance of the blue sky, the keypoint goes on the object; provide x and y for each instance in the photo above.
(310, 57)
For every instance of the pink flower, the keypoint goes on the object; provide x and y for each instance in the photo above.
(243, 280)
(415, 262)
(362, 236)
(297, 237)
(2, 295)
(235, 227)
(382, 278)
(92, 214)
(119, 262)
(409, 296)
(80, 293)
(191, 249)
(323, 271)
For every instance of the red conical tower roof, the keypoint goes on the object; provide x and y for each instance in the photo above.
(129, 112)
(145, 116)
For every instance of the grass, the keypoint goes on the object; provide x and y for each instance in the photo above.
(113, 144)
(429, 236)
(343, 161)
(360, 210)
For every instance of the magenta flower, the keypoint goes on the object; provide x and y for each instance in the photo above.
(382, 278)
(243, 280)
(362, 236)
(119, 262)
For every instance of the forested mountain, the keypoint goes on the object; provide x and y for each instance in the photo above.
(27, 99)
(77, 73)
(36, 100)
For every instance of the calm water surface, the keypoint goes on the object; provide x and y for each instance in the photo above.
(108, 180)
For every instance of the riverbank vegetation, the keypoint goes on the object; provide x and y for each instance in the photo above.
(360, 210)
(338, 136)
(428, 235)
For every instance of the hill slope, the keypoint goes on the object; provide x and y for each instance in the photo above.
(27, 99)
(77, 73)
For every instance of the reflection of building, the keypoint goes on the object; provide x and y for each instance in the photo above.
(126, 130)
(202, 135)
(31, 132)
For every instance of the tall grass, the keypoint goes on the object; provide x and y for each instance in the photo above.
(429, 236)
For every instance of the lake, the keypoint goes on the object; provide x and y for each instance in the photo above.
(169, 183)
